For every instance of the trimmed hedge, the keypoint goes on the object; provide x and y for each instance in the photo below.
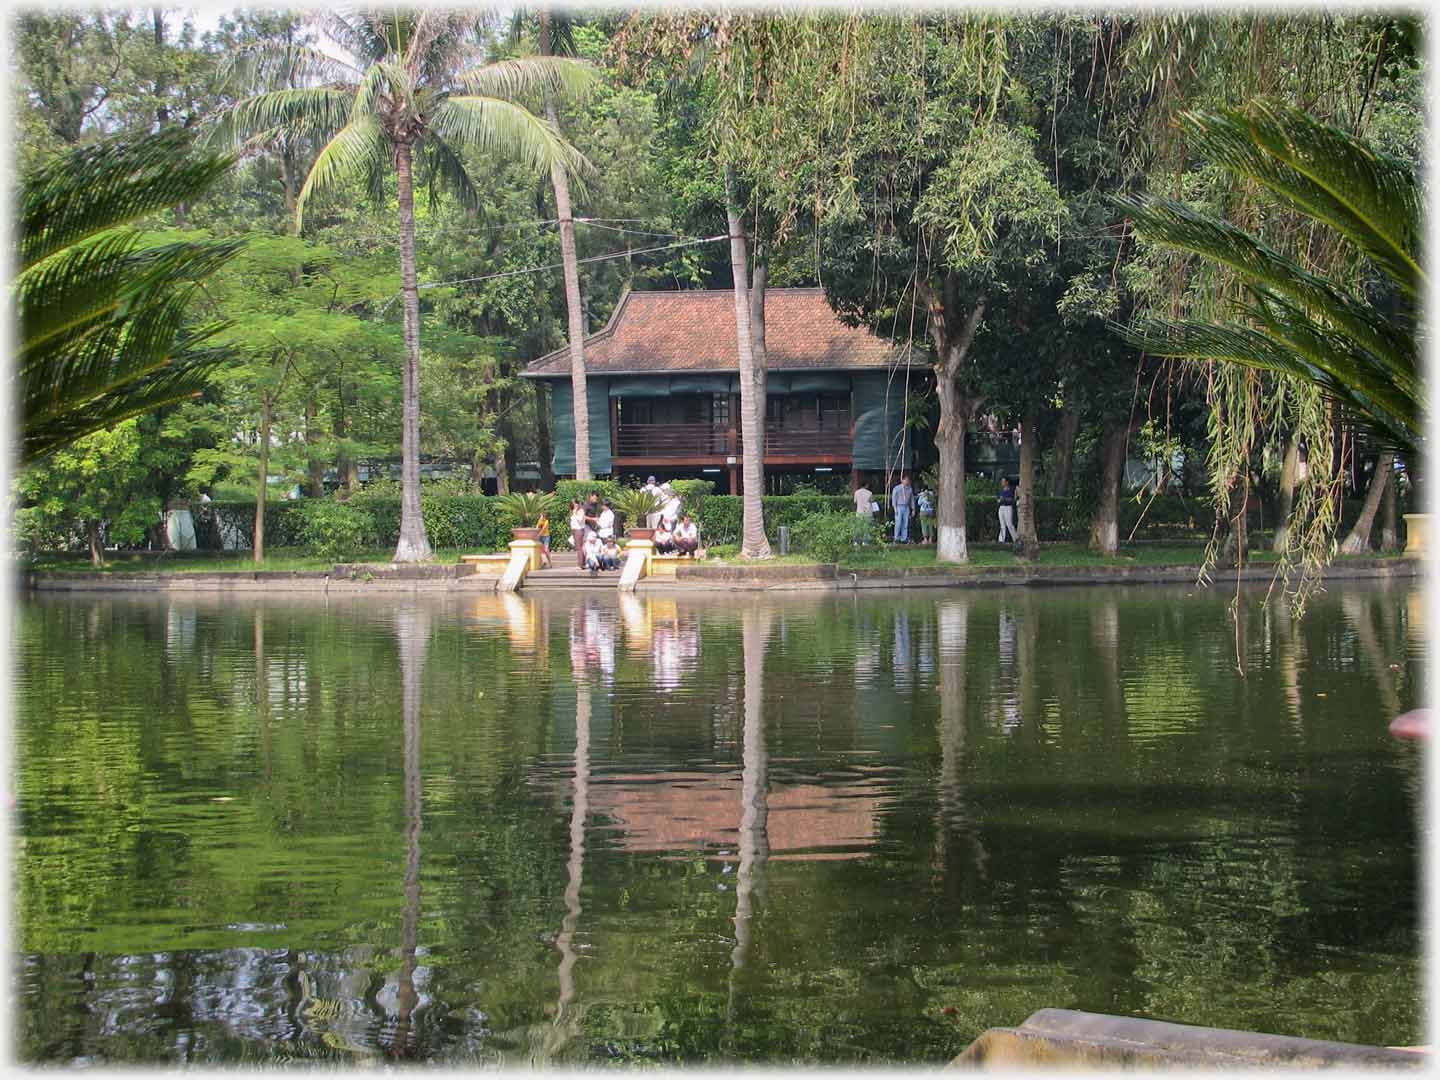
(475, 522)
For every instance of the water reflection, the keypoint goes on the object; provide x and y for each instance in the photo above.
(785, 830)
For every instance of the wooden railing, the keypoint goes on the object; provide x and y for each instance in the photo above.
(705, 440)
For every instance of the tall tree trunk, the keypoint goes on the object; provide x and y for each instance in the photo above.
(1065, 437)
(571, 270)
(1358, 542)
(314, 467)
(97, 551)
(287, 179)
(505, 428)
(754, 544)
(263, 487)
(1389, 533)
(952, 347)
(1105, 523)
(345, 467)
(1027, 534)
(414, 544)
(1289, 466)
(1237, 542)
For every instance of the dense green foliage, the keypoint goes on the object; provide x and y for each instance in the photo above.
(923, 169)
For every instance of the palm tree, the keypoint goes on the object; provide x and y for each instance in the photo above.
(101, 317)
(411, 92)
(560, 180)
(1359, 348)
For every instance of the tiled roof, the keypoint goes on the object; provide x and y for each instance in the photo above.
(695, 331)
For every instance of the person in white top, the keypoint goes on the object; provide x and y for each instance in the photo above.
(863, 498)
(592, 550)
(652, 488)
(606, 521)
(670, 512)
(687, 537)
(577, 531)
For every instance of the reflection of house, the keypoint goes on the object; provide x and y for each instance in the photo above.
(664, 396)
(667, 812)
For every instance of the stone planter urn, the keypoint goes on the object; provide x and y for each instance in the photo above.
(640, 534)
(1417, 534)
(528, 532)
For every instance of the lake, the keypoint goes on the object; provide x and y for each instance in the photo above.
(589, 829)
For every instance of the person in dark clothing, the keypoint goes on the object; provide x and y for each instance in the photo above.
(1007, 510)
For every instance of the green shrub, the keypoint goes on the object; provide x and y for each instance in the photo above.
(828, 536)
(332, 529)
(570, 490)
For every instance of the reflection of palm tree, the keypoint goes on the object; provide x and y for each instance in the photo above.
(412, 628)
(754, 813)
(568, 1019)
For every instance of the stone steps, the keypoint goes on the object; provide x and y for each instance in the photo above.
(569, 577)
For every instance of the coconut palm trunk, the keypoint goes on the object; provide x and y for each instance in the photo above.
(414, 545)
(754, 544)
(560, 180)
(1105, 522)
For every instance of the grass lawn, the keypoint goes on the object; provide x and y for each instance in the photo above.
(906, 557)
(208, 562)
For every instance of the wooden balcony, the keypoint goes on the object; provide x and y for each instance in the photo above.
(682, 443)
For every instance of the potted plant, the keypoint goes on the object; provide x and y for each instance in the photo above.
(635, 505)
(526, 507)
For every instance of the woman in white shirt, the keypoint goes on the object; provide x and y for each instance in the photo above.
(670, 512)
(606, 522)
(577, 531)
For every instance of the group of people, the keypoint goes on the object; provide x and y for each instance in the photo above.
(906, 503)
(592, 528)
(674, 532)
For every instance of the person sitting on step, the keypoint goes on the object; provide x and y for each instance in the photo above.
(592, 550)
(687, 536)
(663, 539)
(609, 554)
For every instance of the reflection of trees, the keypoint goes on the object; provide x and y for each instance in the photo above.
(955, 822)
(1291, 659)
(1359, 614)
(754, 806)
(412, 629)
(568, 1020)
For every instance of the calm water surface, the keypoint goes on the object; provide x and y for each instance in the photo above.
(581, 829)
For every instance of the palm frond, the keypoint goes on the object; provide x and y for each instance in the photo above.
(1245, 345)
(94, 188)
(501, 127)
(1175, 225)
(1369, 198)
(352, 154)
(313, 112)
(103, 320)
(443, 168)
(263, 67)
(510, 79)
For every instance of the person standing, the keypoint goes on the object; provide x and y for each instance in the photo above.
(902, 497)
(670, 512)
(577, 531)
(863, 498)
(543, 525)
(605, 523)
(925, 504)
(1007, 510)
(652, 520)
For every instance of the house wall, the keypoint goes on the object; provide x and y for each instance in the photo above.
(878, 408)
(562, 425)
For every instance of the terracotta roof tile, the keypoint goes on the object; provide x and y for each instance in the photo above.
(695, 331)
